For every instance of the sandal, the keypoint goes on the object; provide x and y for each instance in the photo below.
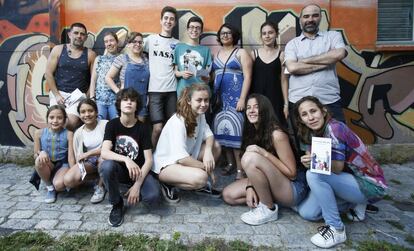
(228, 170)
(240, 175)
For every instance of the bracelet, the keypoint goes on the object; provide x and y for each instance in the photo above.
(249, 186)
(286, 105)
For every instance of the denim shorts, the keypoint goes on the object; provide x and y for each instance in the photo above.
(93, 161)
(300, 187)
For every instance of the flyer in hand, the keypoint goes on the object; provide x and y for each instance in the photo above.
(321, 155)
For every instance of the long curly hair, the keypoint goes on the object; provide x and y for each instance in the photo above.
(184, 108)
(304, 132)
(267, 123)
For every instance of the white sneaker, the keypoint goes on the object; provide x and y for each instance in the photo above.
(260, 215)
(357, 213)
(328, 236)
(98, 195)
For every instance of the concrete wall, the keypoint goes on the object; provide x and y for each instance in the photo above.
(377, 84)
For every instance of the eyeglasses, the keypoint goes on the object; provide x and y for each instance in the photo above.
(137, 42)
(198, 28)
(225, 33)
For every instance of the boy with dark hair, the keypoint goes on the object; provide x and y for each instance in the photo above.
(192, 60)
(162, 84)
(128, 157)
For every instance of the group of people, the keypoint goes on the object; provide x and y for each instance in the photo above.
(263, 93)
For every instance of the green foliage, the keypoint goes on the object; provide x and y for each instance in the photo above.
(410, 239)
(24, 240)
(397, 182)
(395, 224)
(379, 245)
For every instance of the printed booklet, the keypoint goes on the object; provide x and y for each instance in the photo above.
(321, 155)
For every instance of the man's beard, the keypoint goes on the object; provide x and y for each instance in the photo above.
(310, 27)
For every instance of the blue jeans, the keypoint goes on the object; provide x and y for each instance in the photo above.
(330, 194)
(113, 173)
(107, 111)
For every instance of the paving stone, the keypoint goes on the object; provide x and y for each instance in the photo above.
(186, 228)
(211, 228)
(172, 219)
(187, 210)
(27, 205)
(19, 192)
(155, 228)
(94, 226)
(5, 212)
(213, 210)
(23, 224)
(46, 206)
(267, 240)
(7, 204)
(95, 217)
(146, 218)
(267, 229)
(69, 225)
(46, 224)
(196, 218)
(4, 197)
(71, 208)
(220, 218)
(22, 214)
(70, 216)
(46, 214)
(238, 229)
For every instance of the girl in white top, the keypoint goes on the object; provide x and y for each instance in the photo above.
(87, 142)
(186, 151)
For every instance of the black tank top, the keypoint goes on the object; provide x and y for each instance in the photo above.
(266, 81)
(72, 73)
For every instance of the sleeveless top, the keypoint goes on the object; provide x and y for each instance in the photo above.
(266, 81)
(104, 94)
(55, 144)
(72, 73)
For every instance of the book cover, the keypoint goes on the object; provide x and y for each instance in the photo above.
(321, 155)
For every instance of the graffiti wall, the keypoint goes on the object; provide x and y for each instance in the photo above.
(376, 87)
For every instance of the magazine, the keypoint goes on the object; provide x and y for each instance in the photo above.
(321, 155)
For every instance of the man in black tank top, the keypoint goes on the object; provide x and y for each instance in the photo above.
(68, 68)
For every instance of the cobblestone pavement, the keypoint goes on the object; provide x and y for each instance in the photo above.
(196, 216)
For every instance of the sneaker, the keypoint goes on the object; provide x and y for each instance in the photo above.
(260, 215)
(209, 190)
(357, 213)
(169, 193)
(372, 209)
(98, 195)
(116, 217)
(328, 236)
(50, 196)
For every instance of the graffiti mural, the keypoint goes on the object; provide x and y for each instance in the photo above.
(376, 88)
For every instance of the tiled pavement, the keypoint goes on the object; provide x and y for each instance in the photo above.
(196, 216)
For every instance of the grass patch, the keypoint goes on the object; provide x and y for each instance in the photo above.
(395, 224)
(25, 240)
(379, 245)
(388, 197)
(397, 182)
(410, 239)
(39, 241)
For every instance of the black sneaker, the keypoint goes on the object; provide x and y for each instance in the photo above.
(169, 193)
(209, 190)
(116, 217)
(372, 209)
